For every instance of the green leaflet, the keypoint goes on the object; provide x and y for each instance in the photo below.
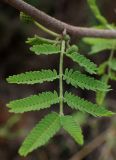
(37, 40)
(81, 60)
(25, 18)
(34, 102)
(45, 49)
(112, 64)
(96, 12)
(72, 128)
(41, 133)
(33, 77)
(100, 44)
(76, 78)
(85, 106)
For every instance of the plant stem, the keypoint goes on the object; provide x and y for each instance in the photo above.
(110, 58)
(61, 76)
(46, 30)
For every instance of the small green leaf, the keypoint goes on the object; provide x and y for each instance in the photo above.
(100, 44)
(81, 60)
(33, 77)
(41, 133)
(83, 105)
(34, 102)
(77, 79)
(72, 128)
(25, 18)
(45, 49)
(37, 40)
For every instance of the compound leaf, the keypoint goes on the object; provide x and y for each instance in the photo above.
(81, 60)
(72, 128)
(34, 102)
(45, 49)
(77, 79)
(83, 105)
(41, 133)
(100, 44)
(33, 77)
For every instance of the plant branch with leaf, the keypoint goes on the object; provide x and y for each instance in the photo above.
(61, 45)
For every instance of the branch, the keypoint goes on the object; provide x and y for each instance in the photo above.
(57, 25)
(90, 147)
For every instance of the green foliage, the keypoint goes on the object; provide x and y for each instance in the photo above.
(72, 128)
(81, 60)
(112, 64)
(99, 44)
(39, 40)
(113, 76)
(80, 117)
(33, 77)
(45, 49)
(77, 79)
(107, 68)
(25, 18)
(102, 68)
(34, 102)
(41, 133)
(96, 12)
(49, 125)
(76, 102)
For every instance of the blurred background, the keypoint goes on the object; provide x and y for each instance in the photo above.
(15, 58)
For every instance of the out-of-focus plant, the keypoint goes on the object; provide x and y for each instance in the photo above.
(107, 69)
(6, 130)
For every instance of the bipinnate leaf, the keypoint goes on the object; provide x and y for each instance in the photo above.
(37, 40)
(41, 133)
(99, 44)
(45, 49)
(72, 128)
(97, 13)
(34, 102)
(83, 105)
(77, 79)
(81, 60)
(33, 77)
